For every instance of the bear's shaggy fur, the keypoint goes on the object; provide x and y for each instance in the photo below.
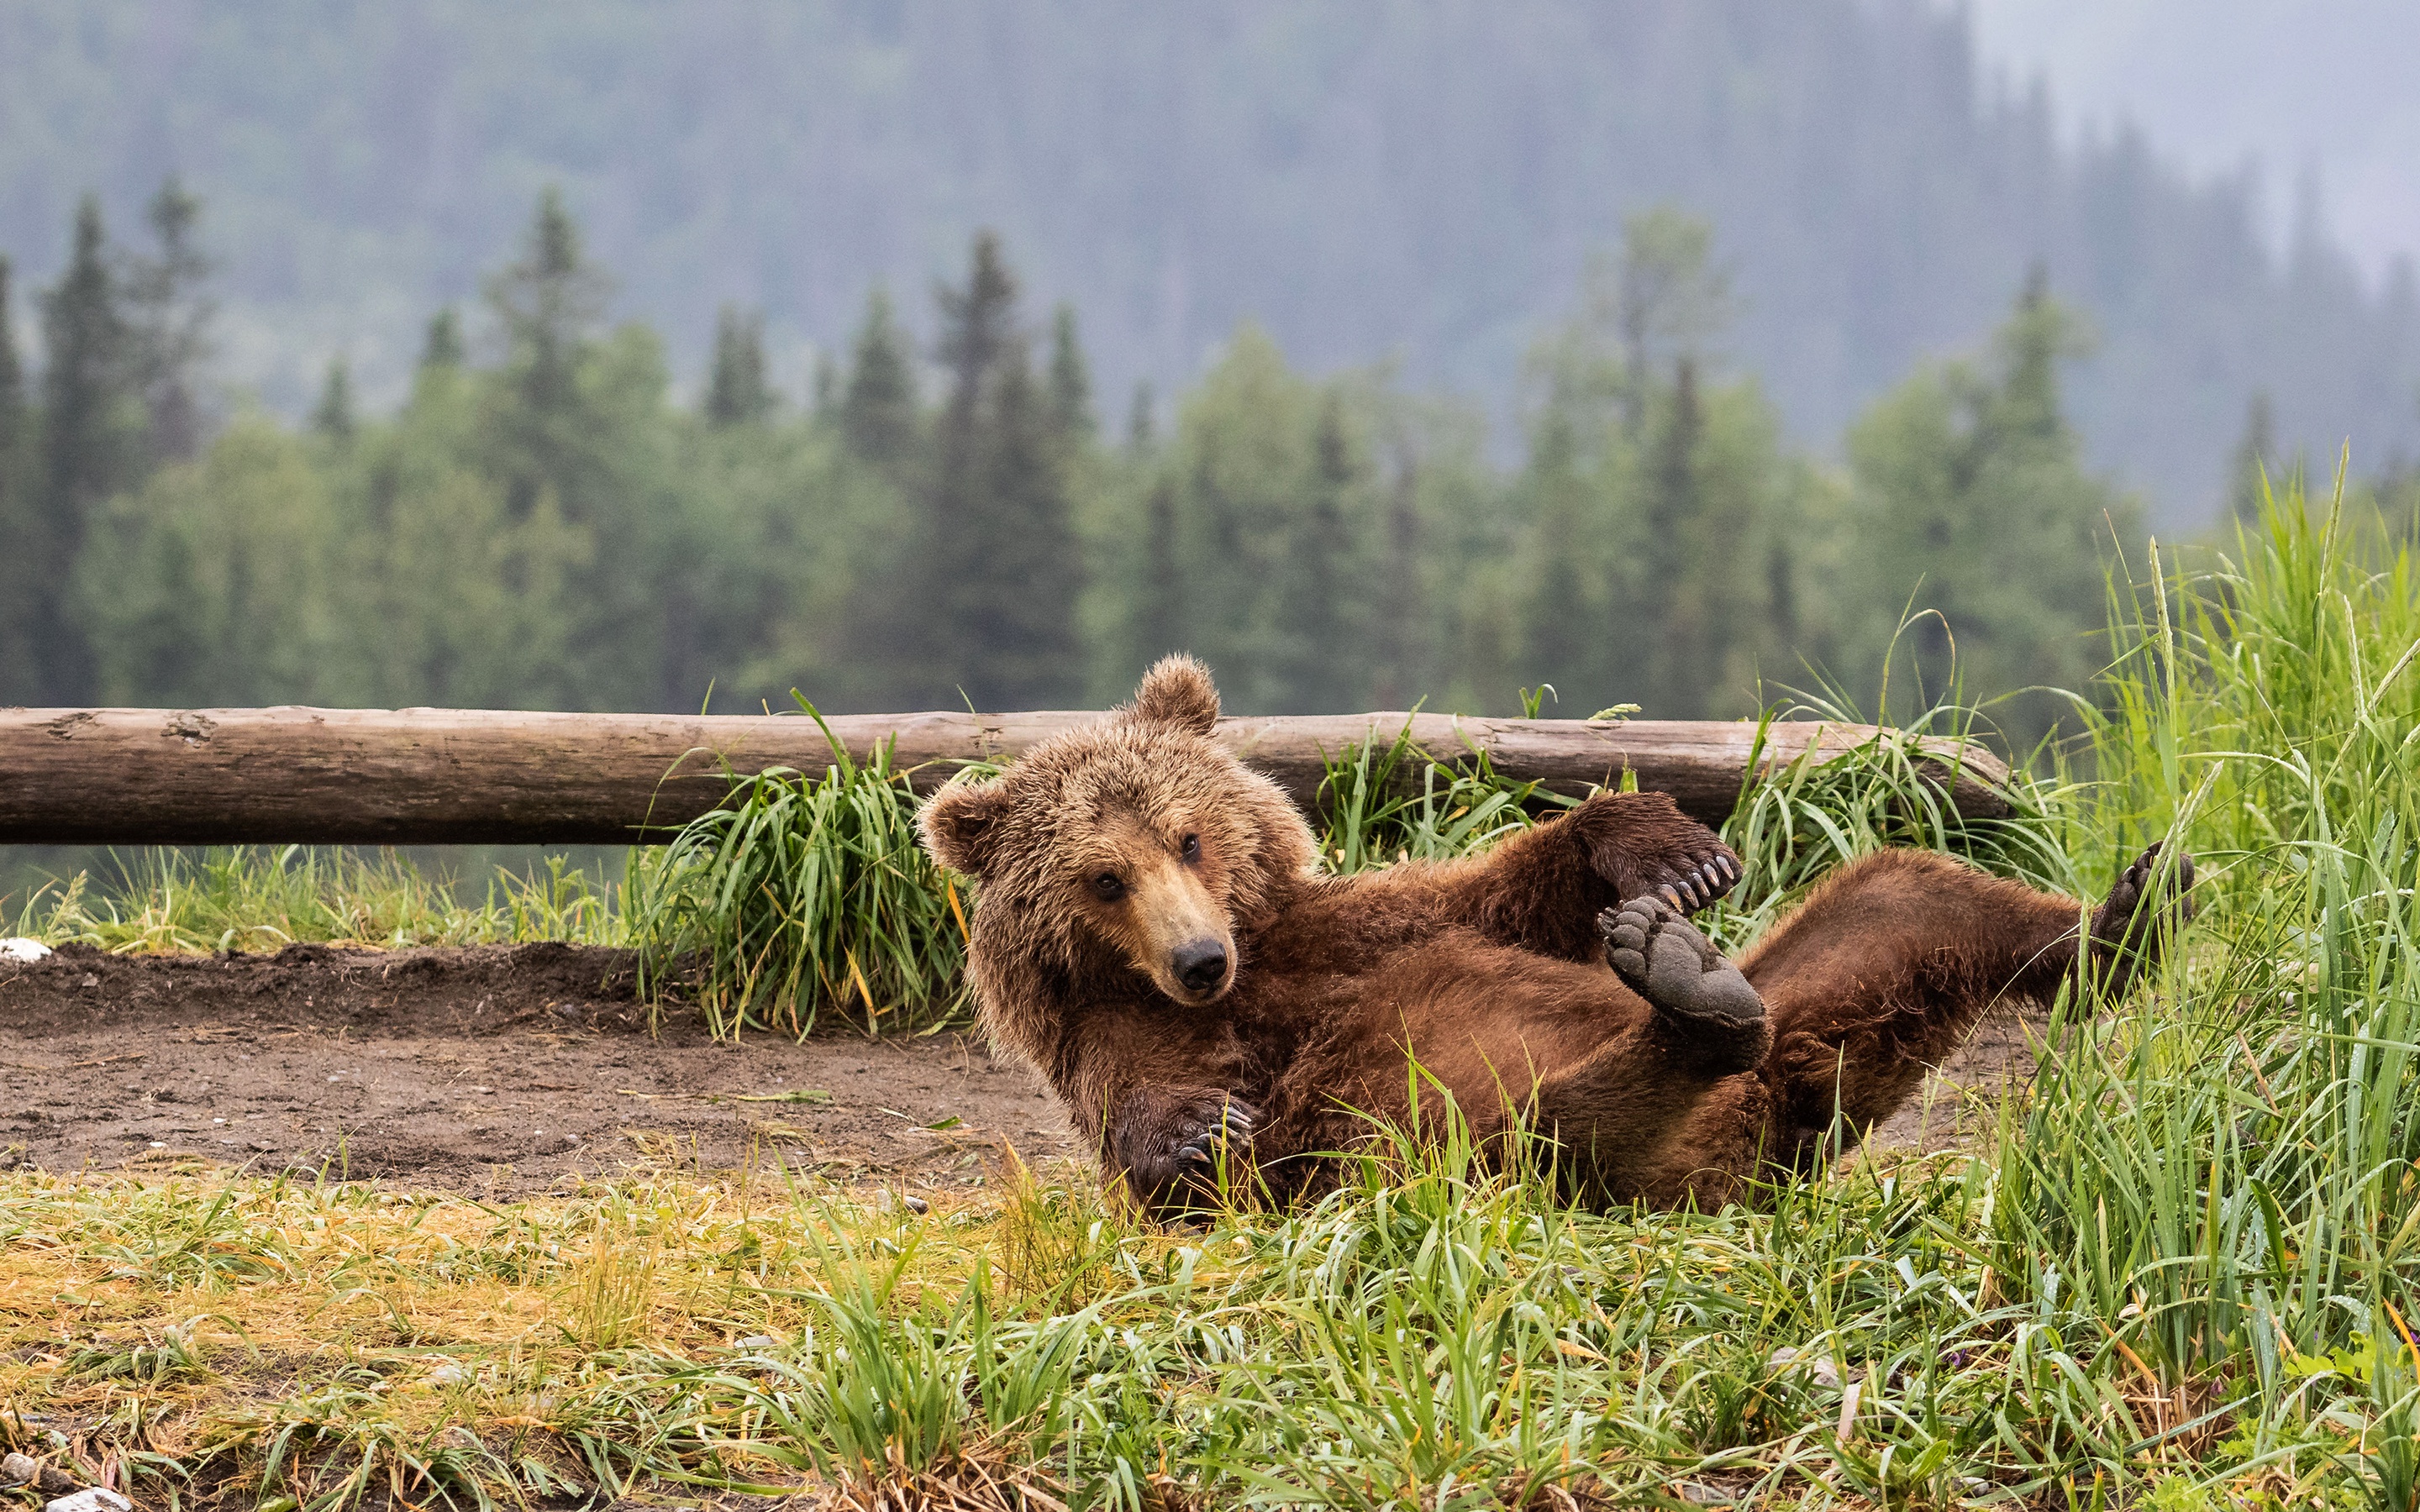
(1152, 935)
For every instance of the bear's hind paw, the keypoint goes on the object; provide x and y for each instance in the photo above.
(2149, 903)
(1660, 956)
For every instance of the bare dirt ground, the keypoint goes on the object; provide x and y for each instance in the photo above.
(499, 1068)
(508, 1069)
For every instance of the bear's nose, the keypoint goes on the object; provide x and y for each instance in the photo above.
(1201, 965)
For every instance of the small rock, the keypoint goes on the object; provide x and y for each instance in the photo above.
(756, 1341)
(914, 1203)
(18, 948)
(89, 980)
(17, 1469)
(91, 1499)
(449, 1374)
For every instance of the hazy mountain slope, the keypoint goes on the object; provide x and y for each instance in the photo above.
(1421, 179)
(2297, 87)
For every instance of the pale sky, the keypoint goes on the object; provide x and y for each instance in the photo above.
(2326, 84)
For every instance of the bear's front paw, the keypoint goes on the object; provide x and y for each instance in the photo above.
(1645, 846)
(1660, 956)
(1172, 1144)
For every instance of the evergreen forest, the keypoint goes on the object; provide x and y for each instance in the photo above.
(962, 517)
(1425, 181)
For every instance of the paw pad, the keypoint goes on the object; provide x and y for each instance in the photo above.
(1660, 956)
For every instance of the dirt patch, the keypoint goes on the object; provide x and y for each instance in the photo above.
(1960, 1102)
(507, 1069)
(499, 1068)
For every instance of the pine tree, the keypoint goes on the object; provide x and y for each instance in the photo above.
(1003, 556)
(441, 350)
(2254, 455)
(12, 394)
(1560, 644)
(17, 683)
(1155, 600)
(333, 416)
(739, 393)
(1322, 675)
(1013, 606)
(1670, 298)
(549, 303)
(1666, 621)
(823, 389)
(1971, 496)
(2023, 412)
(878, 413)
(170, 318)
(1402, 605)
(88, 452)
(1071, 382)
(1159, 604)
(1143, 436)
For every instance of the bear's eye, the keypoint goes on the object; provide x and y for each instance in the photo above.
(1189, 847)
(1108, 887)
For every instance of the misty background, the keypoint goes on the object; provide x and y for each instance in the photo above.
(2222, 189)
(1669, 353)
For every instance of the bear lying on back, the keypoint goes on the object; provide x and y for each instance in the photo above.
(1151, 932)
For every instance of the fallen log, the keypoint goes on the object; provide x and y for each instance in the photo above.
(428, 776)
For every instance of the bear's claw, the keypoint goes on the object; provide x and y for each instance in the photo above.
(1660, 956)
(1172, 1143)
(1693, 890)
(1233, 1125)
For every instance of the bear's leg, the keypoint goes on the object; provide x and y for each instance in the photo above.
(1543, 889)
(1881, 973)
(1878, 975)
(1614, 1114)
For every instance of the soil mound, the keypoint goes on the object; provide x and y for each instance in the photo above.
(504, 1067)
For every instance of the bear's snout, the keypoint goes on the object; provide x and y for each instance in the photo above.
(1201, 965)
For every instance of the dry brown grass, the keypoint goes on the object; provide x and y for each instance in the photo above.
(338, 1340)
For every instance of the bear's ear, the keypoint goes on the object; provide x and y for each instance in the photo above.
(961, 824)
(1177, 691)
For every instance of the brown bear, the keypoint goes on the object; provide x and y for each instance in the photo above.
(1151, 933)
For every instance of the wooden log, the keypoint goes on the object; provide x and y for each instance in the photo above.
(379, 777)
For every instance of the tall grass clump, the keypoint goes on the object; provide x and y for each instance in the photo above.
(801, 896)
(1381, 804)
(1798, 820)
(2223, 1176)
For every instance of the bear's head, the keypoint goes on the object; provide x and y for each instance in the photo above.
(1136, 842)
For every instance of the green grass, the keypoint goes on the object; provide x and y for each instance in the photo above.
(264, 898)
(2182, 1272)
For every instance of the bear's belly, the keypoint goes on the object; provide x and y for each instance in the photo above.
(1484, 1022)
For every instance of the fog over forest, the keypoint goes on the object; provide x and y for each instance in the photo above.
(1416, 184)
